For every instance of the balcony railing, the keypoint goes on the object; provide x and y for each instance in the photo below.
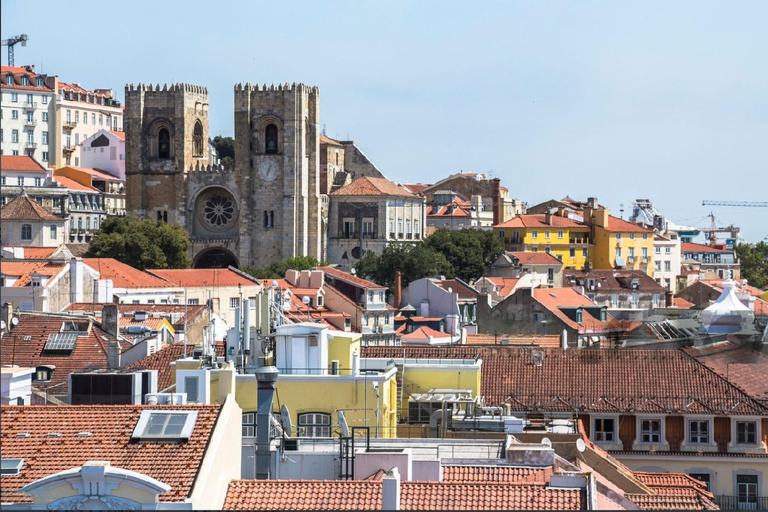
(69, 124)
(30, 145)
(631, 259)
(742, 502)
(29, 105)
(30, 122)
(68, 149)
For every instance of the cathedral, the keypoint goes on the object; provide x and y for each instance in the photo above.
(268, 207)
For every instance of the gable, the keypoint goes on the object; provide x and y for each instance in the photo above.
(100, 141)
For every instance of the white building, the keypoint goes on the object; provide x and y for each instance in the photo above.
(667, 259)
(105, 151)
(24, 222)
(28, 113)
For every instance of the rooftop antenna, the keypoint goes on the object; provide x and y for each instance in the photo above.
(621, 210)
(10, 42)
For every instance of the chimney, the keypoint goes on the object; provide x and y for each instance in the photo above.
(226, 381)
(564, 340)
(390, 490)
(76, 280)
(548, 217)
(592, 202)
(398, 288)
(109, 319)
(7, 315)
(668, 298)
(266, 377)
(113, 355)
(497, 206)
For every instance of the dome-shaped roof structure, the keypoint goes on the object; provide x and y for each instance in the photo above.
(728, 314)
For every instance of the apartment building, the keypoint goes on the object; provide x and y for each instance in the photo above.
(28, 114)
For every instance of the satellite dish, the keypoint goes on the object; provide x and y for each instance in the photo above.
(15, 321)
(343, 424)
(581, 445)
(285, 419)
(546, 442)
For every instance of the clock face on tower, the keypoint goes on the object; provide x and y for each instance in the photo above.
(268, 170)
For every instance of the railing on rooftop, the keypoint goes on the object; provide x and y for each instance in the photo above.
(742, 502)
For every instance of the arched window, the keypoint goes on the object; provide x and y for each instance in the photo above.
(198, 139)
(163, 144)
(79, 96)
(270, 138)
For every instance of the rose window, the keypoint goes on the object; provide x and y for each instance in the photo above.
(219, 210)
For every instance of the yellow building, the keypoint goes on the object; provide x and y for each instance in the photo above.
(554, 233)
(618, 243)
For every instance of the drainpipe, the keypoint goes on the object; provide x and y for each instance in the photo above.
(266, 377)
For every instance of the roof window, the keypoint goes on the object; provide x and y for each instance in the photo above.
(60, 342)
(165, 425)
(11, 466)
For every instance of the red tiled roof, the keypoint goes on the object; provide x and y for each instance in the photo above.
(607, 380)
(555, 298)
(663, 502)
(20, 163)
(751, 290)
(125, 276)
(18, 71)
(425, 318)
(72, 184)
(549, 341)
(743, 366)
(465, 292)
(111, 426)
(164, 310)
(424, 333)
(538, 220)
(367, 186)
(450, 210)
(673, 483)
(96, 173)
(23, 270)
(415, 188)
(686, 247)
(681, 303)
(119, 135)
(614, 280)
(24, 207)
(617, 225)
(506, 284)
(501, 474)
(77, 88)
(89, 351)
(203, 277)
(535, 258)
(35, 253)
(345, 276)
(327, 140)
(366, 495)
(161, 361)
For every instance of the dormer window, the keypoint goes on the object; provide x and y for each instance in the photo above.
(11, 466)
(79, 96)
(9, 79)
(579, 315)
(24, 80)
(40, 81)
(165, 426)
(88, 98)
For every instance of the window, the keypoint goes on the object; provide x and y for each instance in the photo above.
(547, 249)
(14, 97)
(615, 300)
(101, 120)
(534, 234)
(15, 136)
(40, 83)
(193, 302)
(657, 265)
(9, 79)
(45, 156)
(269, 219)
(645, 236)
(703, 477)
(38, 182)
(604, 429)
(658, 250)
(746, 487)
(584, 252)
(698, 431)
(162, 425)
(14, 114)
(45, 137)
(631, 252)
(234, 302)
(11, 466)
(2, 180)
(190, 387)
(573, 252)
(534, 249)
(163, 143)
(26, 231)
(618, 252)
(315, 424)
(650, 431)
(618, 236)
(746, 432)
(668, 250)
(30, 117)
(77, 116)
(667, 266)
(54, 232)
(249, 424)
(93, 119)
(631, 236)
(270, 139)
(559, 234)
(644, 252)
(546, 234)
(198, 139)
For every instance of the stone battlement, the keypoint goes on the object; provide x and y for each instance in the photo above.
(275, 88)
(165, 88)
(198, 167)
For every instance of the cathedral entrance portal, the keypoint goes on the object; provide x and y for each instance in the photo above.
(215, 258)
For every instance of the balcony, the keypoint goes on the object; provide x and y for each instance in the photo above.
(645, 259)
(68, 125)
(578, 240)
(30, 105)
(30, 123)
(68, 149)
(30, 145)
(742, 502)
(631, 259)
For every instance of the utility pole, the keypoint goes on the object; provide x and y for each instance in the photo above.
(10, 42)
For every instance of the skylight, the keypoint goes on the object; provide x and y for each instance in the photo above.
(11, 466)
(165, 425)
(61, 342)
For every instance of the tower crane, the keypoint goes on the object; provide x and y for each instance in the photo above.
(711, 232)
(757, 204)
(10, 42)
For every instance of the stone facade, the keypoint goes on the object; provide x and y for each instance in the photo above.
(268, 207)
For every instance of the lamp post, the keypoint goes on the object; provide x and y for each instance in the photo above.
(306, 301)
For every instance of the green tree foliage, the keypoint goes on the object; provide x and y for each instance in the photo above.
(469, 251)
(754, 263)
(225, 148)
(413, 261)
(277, 269)
(141, 243)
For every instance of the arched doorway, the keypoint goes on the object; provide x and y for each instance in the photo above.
(215, 258)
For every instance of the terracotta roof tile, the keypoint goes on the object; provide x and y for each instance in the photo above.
(664, 502)
(23, 270)
(161, 361)
(681, 303)
(617, 225)
(73, 185)
(506, 284)
(96, 173)
(119, 135)
(415, 188)
(614, 280)
(303, 495)
(555, 298)
(600, 380)
(538, 220)
(367, 186)
(24, 346)
(500, 474)
(35, 253)
(18, 71)
(173, 463)
(688, 247)
(678, 484)
(346, 276)
(20, 163)
(203, 277)
(424, 333)
(24, 207)
(464, 291)
(125, 276)
(327, 140)
(535, 258)
(743, 366)
(549, 341)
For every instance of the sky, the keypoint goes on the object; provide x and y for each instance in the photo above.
(616, 100)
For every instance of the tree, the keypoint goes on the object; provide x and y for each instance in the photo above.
(754, 263)
(225, 148)
(469, 250)
(141, 243)
(413, 262)
(277, 269)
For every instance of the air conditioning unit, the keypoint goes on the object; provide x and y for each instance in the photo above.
(165, 398)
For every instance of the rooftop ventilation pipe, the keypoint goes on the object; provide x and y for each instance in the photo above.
(266, 377)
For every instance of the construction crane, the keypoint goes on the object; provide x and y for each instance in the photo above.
(710, 233)
(707, 202)
(10, 42)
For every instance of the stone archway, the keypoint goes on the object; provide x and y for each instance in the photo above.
(216, 257)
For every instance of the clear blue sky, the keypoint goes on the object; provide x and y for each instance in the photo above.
(618, 100)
